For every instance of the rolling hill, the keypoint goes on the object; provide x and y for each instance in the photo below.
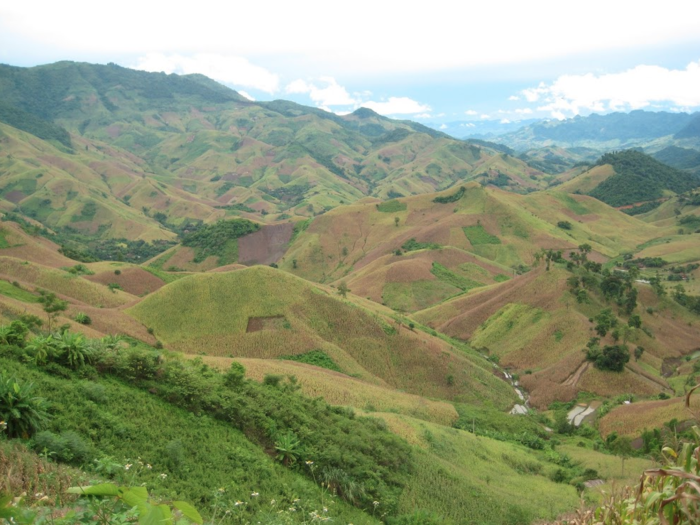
(147, 153)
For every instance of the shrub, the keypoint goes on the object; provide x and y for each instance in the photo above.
(22, 411)
(564, 225)
(67, 447)
(83, 318)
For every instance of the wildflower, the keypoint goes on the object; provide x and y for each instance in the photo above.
(239, 503)
(375, 503)
(272, 502)
(309, 462)
(254, 494)
(222, 490)
(163, 475)
(39, 495)
(148, 466)
(3, 425)
(325, 509)
(127, 466)
(296, 500)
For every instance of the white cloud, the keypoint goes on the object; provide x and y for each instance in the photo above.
(246, 95)
(640, 87)
(396, 106)
(332, 94)
(467, 125)
(423, 115)
(505, 121)
(224, 68)
(484, 116)
(514, 97)
(524, 111)
(471, 112)
(301, 30)
(443, 126)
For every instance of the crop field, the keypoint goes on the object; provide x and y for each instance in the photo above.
(454, 463)
(681, 249)
(613, 383)
(61, 282)
(631, 420)
(477, 235)
(609, 467)
(209, 314)
(15, 292)
(133, 280)
(339, 389)
(35, 249)
(416, 295)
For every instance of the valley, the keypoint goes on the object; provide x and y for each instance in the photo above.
(280, 314)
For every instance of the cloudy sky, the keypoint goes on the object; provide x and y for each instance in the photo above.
(434, 62)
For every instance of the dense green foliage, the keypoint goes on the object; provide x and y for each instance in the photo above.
(358, 456)
(32, 124)
(638, 178)
(450, 277)
(219, 239)
(478, 235)
(642, 208)
(43, 91)
(413, 245)
(680, 158)
(391, 206)
(451, 198)
(314, 357)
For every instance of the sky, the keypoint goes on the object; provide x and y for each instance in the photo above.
(439, 62)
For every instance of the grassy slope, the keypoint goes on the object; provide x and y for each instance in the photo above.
(357, 242)
(126, 423)
(552, 328)
(210, 313)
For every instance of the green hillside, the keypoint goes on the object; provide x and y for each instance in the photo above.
(264, 313)
(639, 178)
(173, 150)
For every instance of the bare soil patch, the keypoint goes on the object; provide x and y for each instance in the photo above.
(132, 280)
(265, 246)
(258, 324)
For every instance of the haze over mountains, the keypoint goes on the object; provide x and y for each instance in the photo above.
(452, 299)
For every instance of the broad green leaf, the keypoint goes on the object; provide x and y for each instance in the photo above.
(135, 495)
(155, 515)
(103, 489)
(188, 511)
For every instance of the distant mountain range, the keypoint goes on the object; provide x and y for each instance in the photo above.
(612, 131)
(124, 150)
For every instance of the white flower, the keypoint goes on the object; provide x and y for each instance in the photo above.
(127, 466)
(239, 503)
(148, 466)
(163, 475)
(254, 494)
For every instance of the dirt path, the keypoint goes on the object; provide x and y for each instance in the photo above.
(574, 378)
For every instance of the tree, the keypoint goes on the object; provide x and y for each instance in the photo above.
(52, 305)
(343, 289)
(396, 221)
(606, 321)
(613, 358)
